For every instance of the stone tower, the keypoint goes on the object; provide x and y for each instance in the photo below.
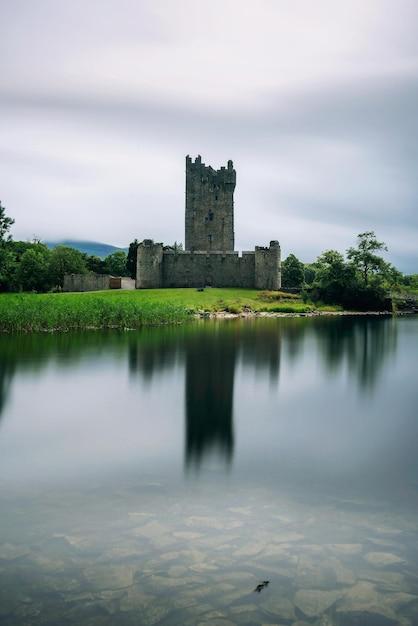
(209, 207)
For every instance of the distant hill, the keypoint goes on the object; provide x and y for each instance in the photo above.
(93, 248)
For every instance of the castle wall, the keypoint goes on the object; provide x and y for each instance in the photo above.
(209, 207)
(215, 269)
(86, 282)
(96, 282)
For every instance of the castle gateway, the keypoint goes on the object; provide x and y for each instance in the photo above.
(209, 258)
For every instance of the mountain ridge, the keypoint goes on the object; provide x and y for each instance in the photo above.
(92, 248)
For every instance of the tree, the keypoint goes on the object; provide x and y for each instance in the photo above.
(309, 273)
(177, 246)
(392, 276)
(5, 224)
(8, 267)
(338, 282)
(131, 258)
(65, 260)
(33, 270)
(115, 263)
(94, 263)
(364, 259)
(333, 276)
(292, 272)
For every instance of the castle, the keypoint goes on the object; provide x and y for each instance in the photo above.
(209, 258)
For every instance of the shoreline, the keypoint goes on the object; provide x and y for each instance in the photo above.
(273, 314)
(214, 315)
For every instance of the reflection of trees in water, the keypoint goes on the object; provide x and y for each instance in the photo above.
(210, 352)
(7, 369)
(33, 352)
(363, 343)
(260, 346)
(153, 350)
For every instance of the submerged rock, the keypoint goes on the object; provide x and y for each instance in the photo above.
(135, 599)
(220, 621)
(10, 552)
(346, 549)
(250, 549)
(279, 607)
(313, 602)
(383, 559)
(109, 576)
(363, 601)
(151, 530)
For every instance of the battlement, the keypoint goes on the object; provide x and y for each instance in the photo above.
(207, 175)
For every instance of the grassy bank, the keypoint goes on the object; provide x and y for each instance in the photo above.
(133, 309)
(40, 312)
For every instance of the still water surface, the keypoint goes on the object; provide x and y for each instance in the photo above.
(157, 477)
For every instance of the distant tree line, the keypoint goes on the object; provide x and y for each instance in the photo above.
(32, 266)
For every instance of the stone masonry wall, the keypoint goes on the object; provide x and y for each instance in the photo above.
(268, 267)
(86, 282)
(215, 269)
(165, 268)
(209, 207)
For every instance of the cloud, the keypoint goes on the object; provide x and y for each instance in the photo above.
(314, 102)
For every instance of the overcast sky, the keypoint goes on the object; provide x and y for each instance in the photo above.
(316, 102)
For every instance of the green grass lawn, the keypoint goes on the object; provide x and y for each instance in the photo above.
(221, 299)
(133, 309)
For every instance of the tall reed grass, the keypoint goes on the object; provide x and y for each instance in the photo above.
(61, 312)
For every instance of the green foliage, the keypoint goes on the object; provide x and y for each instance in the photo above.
(309, 271)
(292, 272)
(115, 264)
(345, 283)
(94, 264)
(363, 257)
(233, 308)
(274, 296)
(8, 268)
(5, 225)
(65, 260)
(410, 281)
(131, 258)
(33, 270)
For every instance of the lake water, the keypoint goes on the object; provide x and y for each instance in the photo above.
(158, 477)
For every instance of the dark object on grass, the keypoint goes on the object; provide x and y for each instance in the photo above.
(261, 586)
(200, 289)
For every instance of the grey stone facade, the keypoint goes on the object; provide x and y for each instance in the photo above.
(96, 282)
(209, 207)
(209, 258)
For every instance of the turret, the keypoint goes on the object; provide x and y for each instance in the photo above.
(268, 267)
(149, 265)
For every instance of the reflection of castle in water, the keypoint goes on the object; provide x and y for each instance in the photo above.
(210, 354)
(210, 369)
